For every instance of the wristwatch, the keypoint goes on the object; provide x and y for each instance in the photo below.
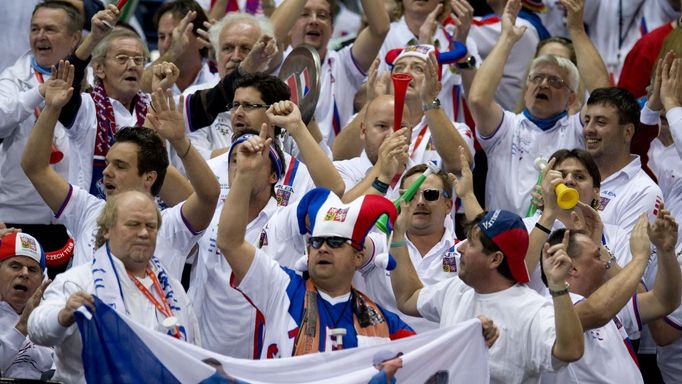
(560, 292)
(435, 104)
(469, 63)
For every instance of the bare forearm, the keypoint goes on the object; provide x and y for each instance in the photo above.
(471, 206)
(590, 64)
(537, 239)
(348, 143)
(285, 16)
(176, 188)
(404, 278)
(198, 172)
(218, 10)
(232, 225)
(667, 287)
(321, 169)
(448, 138)
(36, 155)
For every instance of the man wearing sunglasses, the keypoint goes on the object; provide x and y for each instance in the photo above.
(430, 241)
(321, 311)
(512, 141)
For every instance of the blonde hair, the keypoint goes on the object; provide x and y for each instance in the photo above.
(109, 215)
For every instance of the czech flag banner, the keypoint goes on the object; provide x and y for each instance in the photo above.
(118, 350)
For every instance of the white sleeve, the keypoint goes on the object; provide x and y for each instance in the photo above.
(281, 238)
(15, 105)
(542, 338)
(43, 324)
(200, 141)
(76, 209)
(501, 137)
(176, 230)
(11, 341)
(85, 120)
(468, 137)
(674, 117)
(432, 298)
(265, 283)
(629, 317)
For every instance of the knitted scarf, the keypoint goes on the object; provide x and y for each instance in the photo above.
(106, 131)
(367, 319)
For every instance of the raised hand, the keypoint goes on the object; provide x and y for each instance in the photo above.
(253, 153)
(640, 244)
(182, 35)
(104, 22)
(167, 117)
(428, 29)
(556, 263)
(509, 28)
(464, 14)
(165, 74)
(285, 114)
(431, 86)
(663, 232)
(65, 316)
(377, 84)
(671, 82)
(58, 89)
(260, 56)
(464, 185)
(587, 219)
(204, 37)
(550, 179)
(31, 304)
(574, 13)
(393, 154)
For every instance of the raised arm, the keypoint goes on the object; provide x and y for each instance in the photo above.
(369, 40)
(590, 64)
(404, 279)
(486, 112)
(36, 158)
(284, 17)
(443, 131)
(169, 123)
(604, 303)
(287, 115)
(251, 156)
(464, 187)
(569, 344)
(665, 295)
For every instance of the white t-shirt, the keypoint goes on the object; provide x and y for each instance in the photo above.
(44, 328)
(512, 150)
(79, 212)
(399, 36)
(626, 194)
(674, 116)
(441, 262)
(19, 357)
(524, 348)
(19, 97)
(485, 32)
(608, 356)
(667, 165)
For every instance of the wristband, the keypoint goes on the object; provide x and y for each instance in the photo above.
(189, 145)
(560, 292)
(611, 261)
(379, 185)
(543, 228)
(401, 243)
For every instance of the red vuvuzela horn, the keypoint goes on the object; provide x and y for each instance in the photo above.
(400, 83)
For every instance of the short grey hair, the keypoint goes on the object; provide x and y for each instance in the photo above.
(561, 62)
(262, 23)
(100, 51)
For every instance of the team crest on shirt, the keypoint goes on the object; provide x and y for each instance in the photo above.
(603, 202)
(336, 214)
(450, 259)
(263, 238)
(283, 194)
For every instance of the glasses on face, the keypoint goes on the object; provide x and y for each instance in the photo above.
(554, 81)
(431, 194)
(321, 15)
(123, 59)
(332, 241)
(247, 106)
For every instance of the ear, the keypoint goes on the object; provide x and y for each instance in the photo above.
(105, 233)
(98, 69)
(75, 40)
(359, 259)
(273, 178)
(629, 132)
(363, 130)
(448, 203)
(571, 99)
(149, 178)
(495, 260)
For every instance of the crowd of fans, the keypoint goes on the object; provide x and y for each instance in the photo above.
(187, 189)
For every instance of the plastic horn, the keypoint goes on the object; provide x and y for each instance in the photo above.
(408, 195)
(540, 164)
(566, 197)
(400, 83)
(121, 4)
(56, 155)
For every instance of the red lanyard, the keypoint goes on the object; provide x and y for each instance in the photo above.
(39, 77)
(165, 308)
(420, 137)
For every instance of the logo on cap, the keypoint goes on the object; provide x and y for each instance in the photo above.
(336, 214)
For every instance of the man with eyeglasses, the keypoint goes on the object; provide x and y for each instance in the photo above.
(513, 142)
(322, 312)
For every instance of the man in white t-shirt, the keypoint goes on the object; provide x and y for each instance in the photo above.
(136, 161)
(512, 142)
(611, 117)
(535, 335)
(341, 72)
(125, 274)
(597, 300)
(22, 264)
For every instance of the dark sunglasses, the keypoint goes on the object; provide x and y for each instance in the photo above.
(332, 241)
(431, 194)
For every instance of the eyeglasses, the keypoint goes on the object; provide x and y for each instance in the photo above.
(321, 15)
(431, 194)
(554, 81)
(247, 106)
(123, 59)
(332, 241)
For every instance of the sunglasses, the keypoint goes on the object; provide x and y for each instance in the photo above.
(431, 194)
(332, 241)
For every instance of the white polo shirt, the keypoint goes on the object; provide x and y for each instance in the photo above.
(667, 165)
(512, 150)
(674, 117)
(525, 320)
(626, 194)
(441, 262)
